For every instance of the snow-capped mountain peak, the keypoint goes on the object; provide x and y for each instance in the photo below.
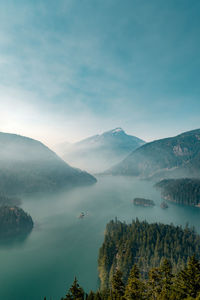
(117, 130)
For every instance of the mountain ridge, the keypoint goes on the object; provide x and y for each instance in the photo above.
(172, 156)
(97, 153)
(27, 165)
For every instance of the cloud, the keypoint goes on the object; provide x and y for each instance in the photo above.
(75, 68)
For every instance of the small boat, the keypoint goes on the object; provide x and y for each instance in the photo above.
(82, 215)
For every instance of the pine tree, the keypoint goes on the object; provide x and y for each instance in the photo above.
(90, 296)
(188, 280)
(75, 292)
(118, 287)
(135, 287)
(97, 296)
(166, 280)
(154, 283)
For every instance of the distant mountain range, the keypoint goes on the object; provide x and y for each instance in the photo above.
(27, 166)
(99, 152)
(177, 156)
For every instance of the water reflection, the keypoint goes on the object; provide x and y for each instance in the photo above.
(14, 241)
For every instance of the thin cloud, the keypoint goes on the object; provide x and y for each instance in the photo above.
(75, 68)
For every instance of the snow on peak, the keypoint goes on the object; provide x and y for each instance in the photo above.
(116, 130)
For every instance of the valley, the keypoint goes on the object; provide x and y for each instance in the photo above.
(70, 209)
(99, 150)
(61, 245)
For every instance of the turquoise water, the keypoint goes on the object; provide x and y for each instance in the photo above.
(62, 246)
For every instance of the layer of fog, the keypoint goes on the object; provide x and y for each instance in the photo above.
(62, 245)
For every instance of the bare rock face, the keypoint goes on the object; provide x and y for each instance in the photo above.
(178, 151)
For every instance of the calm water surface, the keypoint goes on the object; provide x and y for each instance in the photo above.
(62, 246)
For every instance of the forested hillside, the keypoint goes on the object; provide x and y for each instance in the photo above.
(14, 221)
(146, 245)
(174, 157)
(162, 284)
(182, 191)
(29, 166)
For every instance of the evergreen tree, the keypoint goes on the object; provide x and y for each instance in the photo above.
(161, 284)
(166, 279)
(97, 296)
(90, 296)
(75, 292)
(144, 244)
(154, 283)
(117, 290)
(188, 280)
(135, 287)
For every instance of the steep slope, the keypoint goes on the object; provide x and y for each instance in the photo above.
(99, 152)
(146, 245)
(26, 166)
(177, 156)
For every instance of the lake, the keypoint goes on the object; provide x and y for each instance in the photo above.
(62, 246)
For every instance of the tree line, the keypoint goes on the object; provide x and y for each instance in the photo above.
(183, 191)
(146, 245)
(162, 284)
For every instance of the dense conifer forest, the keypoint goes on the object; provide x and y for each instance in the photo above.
(141, 261)
(14, 221)
(162, 284)
(182, 191)
(146, 245)
(143, 202)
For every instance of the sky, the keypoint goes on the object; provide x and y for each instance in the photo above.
(70, 69)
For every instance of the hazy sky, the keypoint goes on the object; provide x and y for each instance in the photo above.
(74, 68)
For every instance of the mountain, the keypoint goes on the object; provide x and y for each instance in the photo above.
(27, 165)
(97, 153)
(177, 156)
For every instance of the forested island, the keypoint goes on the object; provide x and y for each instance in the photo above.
(143, 202)
(146, 245)
(14, 222)
(182, 191)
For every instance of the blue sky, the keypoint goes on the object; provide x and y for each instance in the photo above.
(74, 68)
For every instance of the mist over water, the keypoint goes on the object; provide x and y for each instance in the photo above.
(62, 246)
